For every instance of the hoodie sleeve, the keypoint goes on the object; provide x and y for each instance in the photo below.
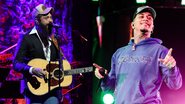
(108, 83)
(172, 77)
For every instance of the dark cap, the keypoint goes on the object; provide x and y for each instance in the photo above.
(145, 9)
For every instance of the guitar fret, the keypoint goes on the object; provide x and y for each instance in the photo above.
(78, 70)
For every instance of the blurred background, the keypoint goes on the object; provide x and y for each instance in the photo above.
(91, 31)
(74, 18)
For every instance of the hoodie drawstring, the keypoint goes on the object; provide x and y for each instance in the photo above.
(134, 47)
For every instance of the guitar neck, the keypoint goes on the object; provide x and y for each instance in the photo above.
(78, 70)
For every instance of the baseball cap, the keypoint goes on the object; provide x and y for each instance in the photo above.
(145, 9)
(41, 9)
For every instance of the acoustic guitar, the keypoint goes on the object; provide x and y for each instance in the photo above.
(58, 78)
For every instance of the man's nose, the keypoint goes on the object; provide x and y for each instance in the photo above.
(50, 20)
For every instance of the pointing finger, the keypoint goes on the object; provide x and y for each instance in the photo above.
(169, 53)
(97, 66)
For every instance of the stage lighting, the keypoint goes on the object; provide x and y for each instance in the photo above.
(183, 2)
(140, 1)
(108, 98)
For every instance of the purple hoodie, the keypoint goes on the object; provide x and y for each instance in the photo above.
(136, 74)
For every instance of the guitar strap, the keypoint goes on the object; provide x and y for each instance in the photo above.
(54, 40)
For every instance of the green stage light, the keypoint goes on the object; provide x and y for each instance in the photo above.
(183, 2)
(140, 1)
(108, 98)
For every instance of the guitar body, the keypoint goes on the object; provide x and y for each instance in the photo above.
(52, 67)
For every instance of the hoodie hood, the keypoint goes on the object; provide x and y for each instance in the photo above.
(146, 41)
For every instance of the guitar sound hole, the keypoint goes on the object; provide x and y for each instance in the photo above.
(57, 72)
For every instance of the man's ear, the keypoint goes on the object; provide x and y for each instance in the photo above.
(36, 21)
(132, 24)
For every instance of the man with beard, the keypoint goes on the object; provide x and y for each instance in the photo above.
(139, 69)
(38, 43)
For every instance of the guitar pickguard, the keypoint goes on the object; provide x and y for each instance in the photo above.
(53, 70)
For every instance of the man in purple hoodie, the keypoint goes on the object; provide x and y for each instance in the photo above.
(139, 69)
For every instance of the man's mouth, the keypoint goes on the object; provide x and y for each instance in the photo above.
(145, 24)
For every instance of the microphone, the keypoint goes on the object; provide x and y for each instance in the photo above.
(56, 25)
(102, 71)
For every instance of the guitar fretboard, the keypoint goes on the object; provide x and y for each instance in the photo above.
(78, 70)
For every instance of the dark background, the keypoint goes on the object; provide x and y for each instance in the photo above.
(169, 27)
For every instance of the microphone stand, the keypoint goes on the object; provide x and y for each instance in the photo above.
(60, 56)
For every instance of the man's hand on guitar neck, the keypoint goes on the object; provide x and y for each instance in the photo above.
(39, 72)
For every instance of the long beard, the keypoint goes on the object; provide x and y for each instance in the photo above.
(44, 33)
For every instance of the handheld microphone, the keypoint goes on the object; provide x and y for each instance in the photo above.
(102, 71)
